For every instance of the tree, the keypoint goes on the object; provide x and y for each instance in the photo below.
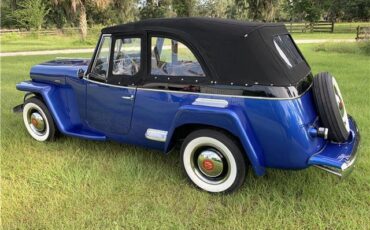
(357, 10)
(116, 12)
(78, 7)
(262, 9)
(257, 10)
(155, 9)
(126, 11)
(213, 8)
(238, 10)
(309, 10)
(183, 8)
(31, 14)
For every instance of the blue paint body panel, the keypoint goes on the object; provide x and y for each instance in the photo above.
(274, 133)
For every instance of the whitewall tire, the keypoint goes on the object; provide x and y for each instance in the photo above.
(213, 161)
(37, 119)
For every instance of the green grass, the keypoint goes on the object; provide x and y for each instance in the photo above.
(324, 35)
(15, 42)
(79, 184)
(357, 48)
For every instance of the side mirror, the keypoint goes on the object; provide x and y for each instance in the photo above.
(80, 73)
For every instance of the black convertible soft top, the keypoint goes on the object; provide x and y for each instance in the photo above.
(235, 52)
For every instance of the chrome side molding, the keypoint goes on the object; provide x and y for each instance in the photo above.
(156, 135)
(218, 103)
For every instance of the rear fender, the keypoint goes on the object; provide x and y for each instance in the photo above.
(231, 120)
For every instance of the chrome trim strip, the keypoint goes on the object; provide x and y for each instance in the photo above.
(218, 103)
(206, 94)
(156, 135)
(110, 85)
(226, 95)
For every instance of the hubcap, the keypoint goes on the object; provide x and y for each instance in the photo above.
(36, 122)
(210, 163)
(340, 104)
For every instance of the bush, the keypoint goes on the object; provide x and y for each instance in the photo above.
(31, 14)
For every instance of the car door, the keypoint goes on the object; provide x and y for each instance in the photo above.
(110, 94)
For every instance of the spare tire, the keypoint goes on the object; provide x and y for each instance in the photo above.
(330, 107)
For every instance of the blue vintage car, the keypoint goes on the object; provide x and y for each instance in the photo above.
(230, 93)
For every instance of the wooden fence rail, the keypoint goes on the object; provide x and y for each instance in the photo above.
(51, 32)
(363, 32)
(321, 26)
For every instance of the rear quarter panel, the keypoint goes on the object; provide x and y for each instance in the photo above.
(274, 133)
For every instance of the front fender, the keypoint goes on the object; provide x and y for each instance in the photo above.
(229, 119)
(63, 114)
(49, 95)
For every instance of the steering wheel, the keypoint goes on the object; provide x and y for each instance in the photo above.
(125, 61)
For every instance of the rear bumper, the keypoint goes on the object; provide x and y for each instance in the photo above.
(339, 158)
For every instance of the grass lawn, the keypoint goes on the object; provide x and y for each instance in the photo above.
(324, 36)
(78, 184)
(15, 42)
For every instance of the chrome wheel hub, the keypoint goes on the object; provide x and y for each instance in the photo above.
(36, 122)
(340, 104)
(210, 163)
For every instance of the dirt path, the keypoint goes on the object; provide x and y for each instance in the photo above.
(90, 50)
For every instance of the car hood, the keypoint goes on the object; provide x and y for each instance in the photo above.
(59, 68)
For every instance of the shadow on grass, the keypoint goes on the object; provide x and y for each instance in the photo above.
(283, 183)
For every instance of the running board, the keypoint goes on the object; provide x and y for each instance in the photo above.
(86, 134)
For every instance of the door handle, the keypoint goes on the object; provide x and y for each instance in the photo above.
(131, 97)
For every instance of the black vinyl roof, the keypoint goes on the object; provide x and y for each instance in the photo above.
(235, 52)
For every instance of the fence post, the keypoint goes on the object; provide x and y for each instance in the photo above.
(332, 26)
(357, 32)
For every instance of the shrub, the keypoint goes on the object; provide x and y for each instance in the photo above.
(31, 14)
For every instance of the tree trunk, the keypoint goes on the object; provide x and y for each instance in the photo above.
(83, 22)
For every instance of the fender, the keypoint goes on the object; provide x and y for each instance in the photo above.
(59, 109)
(229, 119)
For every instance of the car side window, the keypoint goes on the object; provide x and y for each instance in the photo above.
(100, 67)
(126, 59)
(173, 58)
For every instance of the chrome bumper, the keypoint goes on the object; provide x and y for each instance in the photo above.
(339, 158)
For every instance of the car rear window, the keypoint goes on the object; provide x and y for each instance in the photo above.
(287, 50)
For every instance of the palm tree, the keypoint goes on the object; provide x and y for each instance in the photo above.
(78, 7)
